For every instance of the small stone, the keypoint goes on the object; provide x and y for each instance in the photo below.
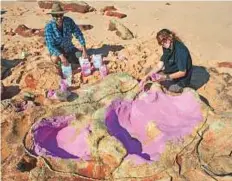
(115, 14)
(108, 8)
(121, 31)
(225, 64)
(85, 27)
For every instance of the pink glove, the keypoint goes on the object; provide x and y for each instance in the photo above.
(155, 77)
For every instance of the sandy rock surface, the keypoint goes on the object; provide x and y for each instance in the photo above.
(206, 154)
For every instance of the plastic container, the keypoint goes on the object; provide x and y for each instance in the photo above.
(85, 66)
(82, 61)
(86, 69)
(51, 94)
(63, 85)
(67, 73)
(103, 71)
(97, 61)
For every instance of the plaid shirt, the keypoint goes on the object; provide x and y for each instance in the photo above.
(56, 42)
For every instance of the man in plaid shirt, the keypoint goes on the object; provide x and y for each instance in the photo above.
(58, 37)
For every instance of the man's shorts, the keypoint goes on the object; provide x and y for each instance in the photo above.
(73, 57)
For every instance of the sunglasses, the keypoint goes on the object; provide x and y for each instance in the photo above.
(162, 41)
(57, 15)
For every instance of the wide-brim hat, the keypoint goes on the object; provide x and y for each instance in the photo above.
(57, 9)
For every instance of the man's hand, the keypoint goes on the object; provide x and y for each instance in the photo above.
(64, 60)
(155, 77)
(84, 53)
(160, 77)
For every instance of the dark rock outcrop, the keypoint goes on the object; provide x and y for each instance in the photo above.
(80, 7)
(115, 14)
(121, 31)
(24, 31)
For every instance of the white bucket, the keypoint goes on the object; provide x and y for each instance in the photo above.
(97, 61)
(82, 61)
(85, 66)
(67, 72)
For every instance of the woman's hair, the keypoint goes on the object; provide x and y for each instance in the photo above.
(165, 34)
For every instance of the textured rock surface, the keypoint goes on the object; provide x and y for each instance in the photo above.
(121, 31)
(90, 107)
(225, 64)
(108, 155)
(134, 58)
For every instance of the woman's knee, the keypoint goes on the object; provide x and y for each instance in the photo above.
(175, 88)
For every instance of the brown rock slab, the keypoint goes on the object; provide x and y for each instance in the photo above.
(122, 31)
(45, 4)
(108, 8)
(2, 89)
(79, 7)
(24, 31)
(115, 14)
(85, 27)
(225, 64)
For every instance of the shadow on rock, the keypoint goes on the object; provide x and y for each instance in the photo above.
(132, 145)
(72, 97)
(26, 164)
(3, 12)
(7, 65)
(81, 7)
(10, 92)
(200, 76)
(121, 31)
(85, 27)
(203, 99)
(105, 49)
